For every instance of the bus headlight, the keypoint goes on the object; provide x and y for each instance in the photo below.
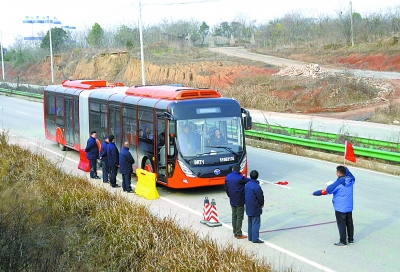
(243, 163)
(186, 170)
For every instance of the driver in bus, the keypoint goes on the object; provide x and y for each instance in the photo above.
(217, 138)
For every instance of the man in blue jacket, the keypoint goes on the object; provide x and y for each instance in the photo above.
(104, 160)
(125, 167)
(254, 197)
(92, 154)
(113, 160)
(234, 187)
(342, 190)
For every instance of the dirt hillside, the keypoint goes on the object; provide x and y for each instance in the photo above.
(202, 68)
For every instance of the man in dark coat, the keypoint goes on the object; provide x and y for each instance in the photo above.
(234, 187)
(125, 167)
(104, 160)
(254, 203)
(113, 160)
(92, 154)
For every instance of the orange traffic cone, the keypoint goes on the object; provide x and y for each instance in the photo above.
(213, 220)
(206, 211)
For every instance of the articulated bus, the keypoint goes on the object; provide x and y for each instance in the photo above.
(170, 128)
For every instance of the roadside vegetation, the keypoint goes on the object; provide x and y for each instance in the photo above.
(389, 114)
(53, 221)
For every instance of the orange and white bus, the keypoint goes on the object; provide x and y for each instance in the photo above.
(170, 128)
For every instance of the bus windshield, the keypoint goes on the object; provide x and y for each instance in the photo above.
(222, 136)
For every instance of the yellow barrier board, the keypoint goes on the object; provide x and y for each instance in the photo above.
(146, 184)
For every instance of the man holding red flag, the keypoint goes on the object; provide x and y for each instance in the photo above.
(342, 190)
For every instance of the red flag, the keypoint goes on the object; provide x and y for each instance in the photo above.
(349, 152)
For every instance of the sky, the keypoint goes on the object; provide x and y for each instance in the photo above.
(82, 14)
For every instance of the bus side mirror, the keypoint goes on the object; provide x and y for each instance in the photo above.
(247, 121)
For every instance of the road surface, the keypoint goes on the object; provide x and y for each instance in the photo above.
(298, 228)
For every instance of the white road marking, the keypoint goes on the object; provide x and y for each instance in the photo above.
(272, 183)
(294, 255)
(21, 112)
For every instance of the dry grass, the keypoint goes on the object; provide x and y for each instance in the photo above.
(387, 115)
(328, 54)
(52, 221)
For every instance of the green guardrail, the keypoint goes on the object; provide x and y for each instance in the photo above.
(303, 132)
(360, 151)
(26, 94)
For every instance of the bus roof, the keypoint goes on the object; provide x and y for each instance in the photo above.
(89, 84)
(171, 92)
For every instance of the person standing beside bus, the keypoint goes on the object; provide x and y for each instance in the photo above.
(113, 160)
(104, 160)
(254, 197)
(125, 167)
(234, 187)
(92, 154)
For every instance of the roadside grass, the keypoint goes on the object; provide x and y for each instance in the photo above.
(53, 221)
(327, 53)
(387, 115)
(296, 94)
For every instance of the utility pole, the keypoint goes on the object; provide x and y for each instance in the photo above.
(51, 52)
(44, 21)
(1, 48)
(351, 24)
(141, 45)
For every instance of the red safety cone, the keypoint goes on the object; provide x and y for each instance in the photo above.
(206, 211)
(213, 220)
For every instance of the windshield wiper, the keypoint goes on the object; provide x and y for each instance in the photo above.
(208, 153)
(225, 147)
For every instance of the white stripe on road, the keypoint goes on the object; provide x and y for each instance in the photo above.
(21, 112)
(294, 255)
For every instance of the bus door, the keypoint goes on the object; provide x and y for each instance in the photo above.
(115, 124)
(161, 148)
(76, 119)
(69, 128)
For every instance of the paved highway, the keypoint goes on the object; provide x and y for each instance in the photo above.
(298, 228)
